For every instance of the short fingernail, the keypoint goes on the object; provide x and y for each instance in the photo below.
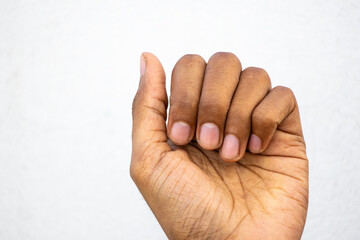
(255, 143)
(209, 135)
(180, 132)
(230, 148)
(142, 65)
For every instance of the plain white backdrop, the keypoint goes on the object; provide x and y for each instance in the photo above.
(69, 71)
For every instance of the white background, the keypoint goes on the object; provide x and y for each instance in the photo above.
(68, 73)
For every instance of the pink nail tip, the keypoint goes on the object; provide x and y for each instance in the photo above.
(209, 135)
(255, 143)
(142, 65)
(230, 148)
(180, 132)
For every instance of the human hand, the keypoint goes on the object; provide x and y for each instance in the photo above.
(242, 175)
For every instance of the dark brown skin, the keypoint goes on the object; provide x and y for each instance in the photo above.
(244, 176)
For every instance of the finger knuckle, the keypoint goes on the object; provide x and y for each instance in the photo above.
(226, 58)
(184, 105)
(191, 59)
(286, 93)
(262, 118)
(209, 108)
(238, 123)
(239, 111)
(258, 74)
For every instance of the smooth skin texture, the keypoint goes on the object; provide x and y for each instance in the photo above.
(231, 161)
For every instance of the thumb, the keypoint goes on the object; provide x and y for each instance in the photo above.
(149, 138)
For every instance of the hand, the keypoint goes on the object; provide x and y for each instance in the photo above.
(231, 163)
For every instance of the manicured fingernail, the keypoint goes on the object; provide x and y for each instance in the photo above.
(142, 65)
(180, 132)
(209, 135)
(230, 148)
(255, 143)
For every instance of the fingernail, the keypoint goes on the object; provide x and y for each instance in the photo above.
(209, 135)
(230, 148)
(255, 143)
(142, 65)
(180, 132)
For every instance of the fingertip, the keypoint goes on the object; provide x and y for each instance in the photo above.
(150, 57)
(147, 54)
(154, 68)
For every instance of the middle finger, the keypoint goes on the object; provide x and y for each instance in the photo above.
(221, 78)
